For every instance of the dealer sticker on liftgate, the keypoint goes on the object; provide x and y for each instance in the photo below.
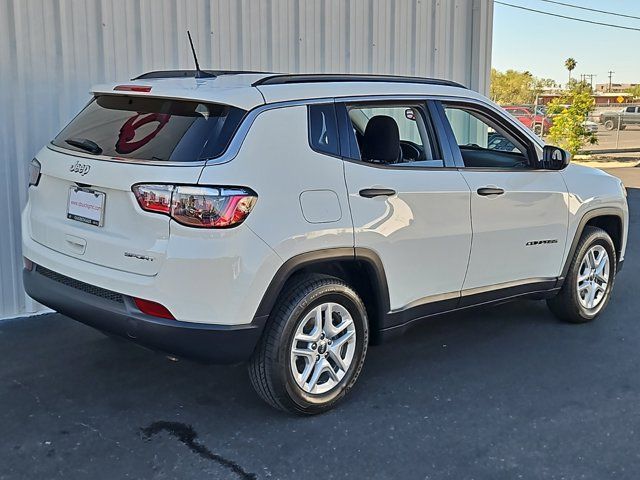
(86, 206)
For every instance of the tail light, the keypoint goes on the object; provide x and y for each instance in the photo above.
(34, 173)
(201, 207)
(132, 88)
(154, 198)
(28, 264)
(153, 308)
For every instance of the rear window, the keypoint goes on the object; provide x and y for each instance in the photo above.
(151, 128)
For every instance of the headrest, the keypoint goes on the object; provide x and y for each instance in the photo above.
(381, 140)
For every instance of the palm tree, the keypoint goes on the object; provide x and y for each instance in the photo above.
(570, 64)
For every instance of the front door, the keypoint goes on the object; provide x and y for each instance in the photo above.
(519, 213)
(408, 205)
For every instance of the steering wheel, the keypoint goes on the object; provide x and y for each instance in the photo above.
(410, 152)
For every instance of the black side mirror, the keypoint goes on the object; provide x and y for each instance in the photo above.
(555, 158)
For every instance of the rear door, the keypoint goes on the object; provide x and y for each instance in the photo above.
(519, 213)
(83, 205)
(411, 207)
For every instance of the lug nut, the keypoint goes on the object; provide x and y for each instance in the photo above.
(314, 346)
(317, 358)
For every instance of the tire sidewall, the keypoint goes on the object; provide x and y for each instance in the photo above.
(604, 241)
(336, 293)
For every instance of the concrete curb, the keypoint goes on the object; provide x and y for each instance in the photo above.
(612, 150)
(607, 164)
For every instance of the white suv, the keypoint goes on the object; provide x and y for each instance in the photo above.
(290, 220)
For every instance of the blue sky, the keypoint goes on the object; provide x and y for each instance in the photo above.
(529, 41)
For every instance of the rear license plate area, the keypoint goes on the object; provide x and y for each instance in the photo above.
(86, 205)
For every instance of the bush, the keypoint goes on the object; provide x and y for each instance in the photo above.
(569, 114)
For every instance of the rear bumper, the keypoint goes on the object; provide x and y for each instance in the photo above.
(117, 314)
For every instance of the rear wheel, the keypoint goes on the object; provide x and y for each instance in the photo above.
(313, 348)
(587, 287)
(609, 125)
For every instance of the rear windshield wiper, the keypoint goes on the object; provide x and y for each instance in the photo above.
(85, 144)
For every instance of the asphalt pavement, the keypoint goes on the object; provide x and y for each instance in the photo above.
(629, 138)
(495, 393)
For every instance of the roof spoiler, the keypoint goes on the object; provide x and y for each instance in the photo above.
(192, 73)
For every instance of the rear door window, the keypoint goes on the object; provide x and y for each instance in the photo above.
(151, 128)
(398, 134)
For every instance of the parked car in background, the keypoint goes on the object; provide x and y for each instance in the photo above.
(541, 110)
(589, 126)
(621, 118)
(539, 124)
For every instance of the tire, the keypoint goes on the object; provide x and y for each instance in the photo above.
(537, 129)
(572, 303)
(278, 375)
(622, 127)
(609, 125)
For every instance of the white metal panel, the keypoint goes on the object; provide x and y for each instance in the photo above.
(52, 52)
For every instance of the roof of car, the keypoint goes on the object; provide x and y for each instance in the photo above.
(249, 89)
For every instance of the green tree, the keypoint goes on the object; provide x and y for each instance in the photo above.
(570, 64)
(574, 85)
(635, 91)
(546, 83)
(512, 87)
(569, 113)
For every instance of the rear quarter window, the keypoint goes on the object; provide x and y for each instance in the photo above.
(323, 129)
(151, 128)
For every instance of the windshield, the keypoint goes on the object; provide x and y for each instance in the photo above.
(151, 128)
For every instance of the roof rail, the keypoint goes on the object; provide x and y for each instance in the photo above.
(191, 73)
(281, 79)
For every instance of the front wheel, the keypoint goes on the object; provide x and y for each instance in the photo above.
(587, 287)
(313, 348)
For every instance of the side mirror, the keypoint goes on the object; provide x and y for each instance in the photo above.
(555, 158)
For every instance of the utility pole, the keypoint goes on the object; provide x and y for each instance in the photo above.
(611, 72)
(590, 76)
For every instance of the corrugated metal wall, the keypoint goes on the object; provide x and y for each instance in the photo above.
(51, 51)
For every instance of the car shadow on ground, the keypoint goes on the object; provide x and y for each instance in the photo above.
(94, 367)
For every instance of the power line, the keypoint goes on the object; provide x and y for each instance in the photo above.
(566, 17)
(591, 9)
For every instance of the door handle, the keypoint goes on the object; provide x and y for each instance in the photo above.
(489, 191)
(377, 192)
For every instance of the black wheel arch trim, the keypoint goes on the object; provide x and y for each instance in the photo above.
(339, 254)
(588, 216)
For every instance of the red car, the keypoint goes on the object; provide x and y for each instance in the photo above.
(538, 123)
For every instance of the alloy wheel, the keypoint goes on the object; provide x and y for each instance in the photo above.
(593, 277)
(323, 348)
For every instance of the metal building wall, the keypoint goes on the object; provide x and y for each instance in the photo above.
(52, 51)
